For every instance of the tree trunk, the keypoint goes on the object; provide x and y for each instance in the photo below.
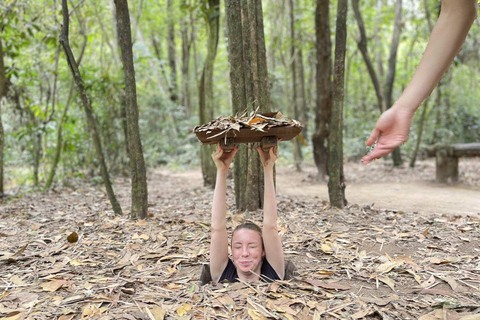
(137, 162)
(392, 62)
(249, 85)
(186, 43)
(297, 151)
(3, 94)
(88, 109)
(63, 118)
(172, 52)
(362, 46)
(324, 87)
(304, 114)
(59, 144)
(421, 122)
(205, 90)
(336, 183)
(378, 40)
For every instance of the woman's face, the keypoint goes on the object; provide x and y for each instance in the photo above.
(247, 250)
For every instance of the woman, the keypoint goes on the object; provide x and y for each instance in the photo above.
(257, 253)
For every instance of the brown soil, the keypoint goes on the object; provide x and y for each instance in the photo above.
(403, 189)
(359, 263)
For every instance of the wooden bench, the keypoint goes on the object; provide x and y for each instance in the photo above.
(447, 159)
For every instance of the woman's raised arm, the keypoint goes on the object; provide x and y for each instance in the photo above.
(271, 238)
(218, 236)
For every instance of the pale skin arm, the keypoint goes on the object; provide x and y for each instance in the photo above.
(218, 236)
(448, 35)
(271, 238)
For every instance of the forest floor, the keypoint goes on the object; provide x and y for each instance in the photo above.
(395, 259)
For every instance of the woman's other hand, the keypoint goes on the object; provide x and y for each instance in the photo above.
(269, 157)
(223, 159)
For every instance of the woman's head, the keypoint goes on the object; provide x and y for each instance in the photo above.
(247, 248)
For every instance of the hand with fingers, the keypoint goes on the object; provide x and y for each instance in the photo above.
(223, 159)
(391, 131)
(269, 157)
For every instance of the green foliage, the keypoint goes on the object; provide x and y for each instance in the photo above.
(30, 32)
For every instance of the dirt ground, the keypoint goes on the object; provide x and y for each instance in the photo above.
(359, 263)
(404, 189)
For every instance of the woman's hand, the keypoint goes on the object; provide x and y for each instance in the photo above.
(391, 131)
(223, 159)
(269, 157)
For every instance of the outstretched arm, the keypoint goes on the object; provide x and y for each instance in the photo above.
(271, 238)
(456, 18)
(219, 237)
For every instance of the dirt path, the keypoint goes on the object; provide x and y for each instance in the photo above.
(421, 197)
(401, 189)
(65, 255)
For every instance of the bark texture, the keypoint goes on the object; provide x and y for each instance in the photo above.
(362, 46)
(172, 52)
(324, 87)
(137, 162)
(205, 90)
(336, 183)
(250, 90)
(392, 63)
(297, 151)
(88, 109)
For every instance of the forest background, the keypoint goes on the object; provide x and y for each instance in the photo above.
(42, 116)
(66, 253)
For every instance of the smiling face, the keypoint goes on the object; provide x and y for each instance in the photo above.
(247, 251)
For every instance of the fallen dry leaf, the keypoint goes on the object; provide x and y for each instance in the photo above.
(184, 309)
(389, 282)
(53, 285)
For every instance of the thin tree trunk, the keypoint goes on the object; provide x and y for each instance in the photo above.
(336, 183)
(3, 94)
(137, 162)
(297, 151)
(362, 46)
(304, 114)
(186, 44)
(324, 88)
(421, 122)
(194, 44)
(59, 144)
(378, 40)
(172, 52)
(88, 109)
(392, 62)
(206, 99)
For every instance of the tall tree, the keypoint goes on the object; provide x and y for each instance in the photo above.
(205, 90)
(336, 183)
(137, 162)
(297, 151)
(186, 44)
(324, 87)
(249, 85)
(384, 96)
(172, 52)
(392, 64)
(88, 109)
(363, 47)
(3, 94)
(421, 121)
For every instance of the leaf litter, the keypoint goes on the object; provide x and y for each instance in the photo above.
(65, 255)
